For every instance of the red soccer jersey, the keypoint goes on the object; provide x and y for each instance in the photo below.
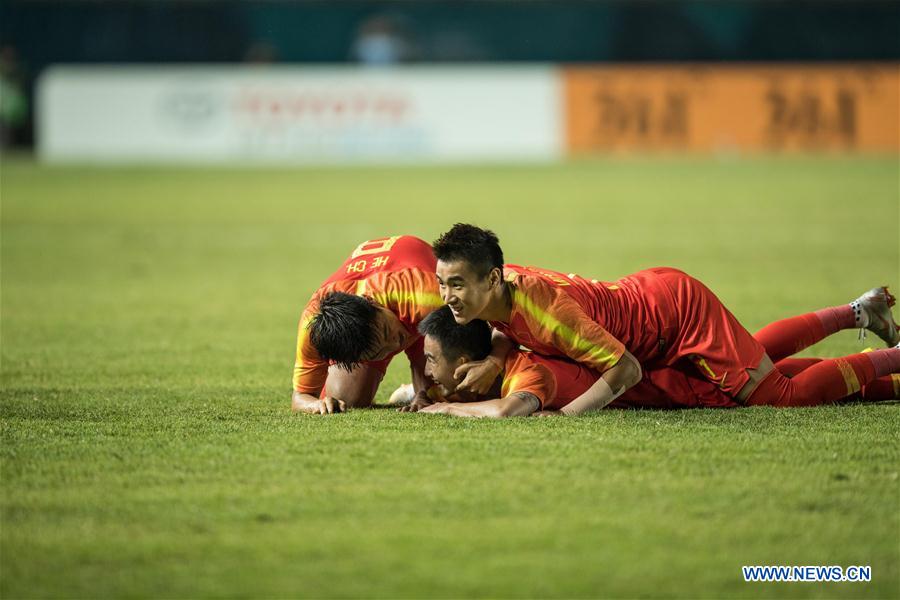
(395, 272)
(592, 322)
(563, 315)
(521, 373)
(660, 315)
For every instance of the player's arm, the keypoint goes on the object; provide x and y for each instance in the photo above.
(411, 294)
(612, 384)
(527, 385)
(420, 381)
(307, 403)
(478, 376)
(517, 404)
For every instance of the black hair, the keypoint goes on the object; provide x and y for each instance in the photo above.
(472, 339)
(343, 331)
(480, 248)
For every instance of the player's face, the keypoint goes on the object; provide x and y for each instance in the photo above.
(438, 367)
(467, 294)
(390, 335)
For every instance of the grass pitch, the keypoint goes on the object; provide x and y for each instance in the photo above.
(148, 325)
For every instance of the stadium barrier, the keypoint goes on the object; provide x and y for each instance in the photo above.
(733, 108)
(294, 114)
(438, 114)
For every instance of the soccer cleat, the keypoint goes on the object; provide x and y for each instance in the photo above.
(872, 311)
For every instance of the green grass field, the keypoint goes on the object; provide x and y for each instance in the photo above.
(148, 450)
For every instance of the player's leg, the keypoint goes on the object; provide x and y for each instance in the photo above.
(826, 381)
(357, 386)
(883, 388)
(794, 366)
(724, 352)
(679, 387)
(870, 311)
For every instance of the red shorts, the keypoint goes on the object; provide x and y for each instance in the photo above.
(700, 329)
(677, 386)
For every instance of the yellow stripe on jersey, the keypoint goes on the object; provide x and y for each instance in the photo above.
(509, 385)
(595, 354)
(415, 297)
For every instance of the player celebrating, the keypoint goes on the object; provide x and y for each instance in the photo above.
(657, 317)
(530, 382)
(362, 316)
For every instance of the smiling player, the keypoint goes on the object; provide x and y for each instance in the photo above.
(657, 317)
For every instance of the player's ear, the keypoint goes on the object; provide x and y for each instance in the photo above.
(496, 277)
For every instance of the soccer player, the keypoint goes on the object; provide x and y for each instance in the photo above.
(657, 317)
(530, 382)
(358, 319)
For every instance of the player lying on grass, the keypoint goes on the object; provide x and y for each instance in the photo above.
(379, 295)
(530, 382)
(653, 318)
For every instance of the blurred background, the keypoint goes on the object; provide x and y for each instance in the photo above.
(829, 78)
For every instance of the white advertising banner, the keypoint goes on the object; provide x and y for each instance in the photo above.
(299, 114)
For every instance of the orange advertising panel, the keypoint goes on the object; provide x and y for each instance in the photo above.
(733, 108)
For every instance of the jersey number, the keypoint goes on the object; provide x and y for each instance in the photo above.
(378, 246)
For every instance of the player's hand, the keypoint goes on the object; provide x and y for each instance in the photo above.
(547, 413)
(420, 402)
(477, 376)
(438, 408)
(325, 406)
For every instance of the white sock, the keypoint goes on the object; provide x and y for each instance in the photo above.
(860, 313)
